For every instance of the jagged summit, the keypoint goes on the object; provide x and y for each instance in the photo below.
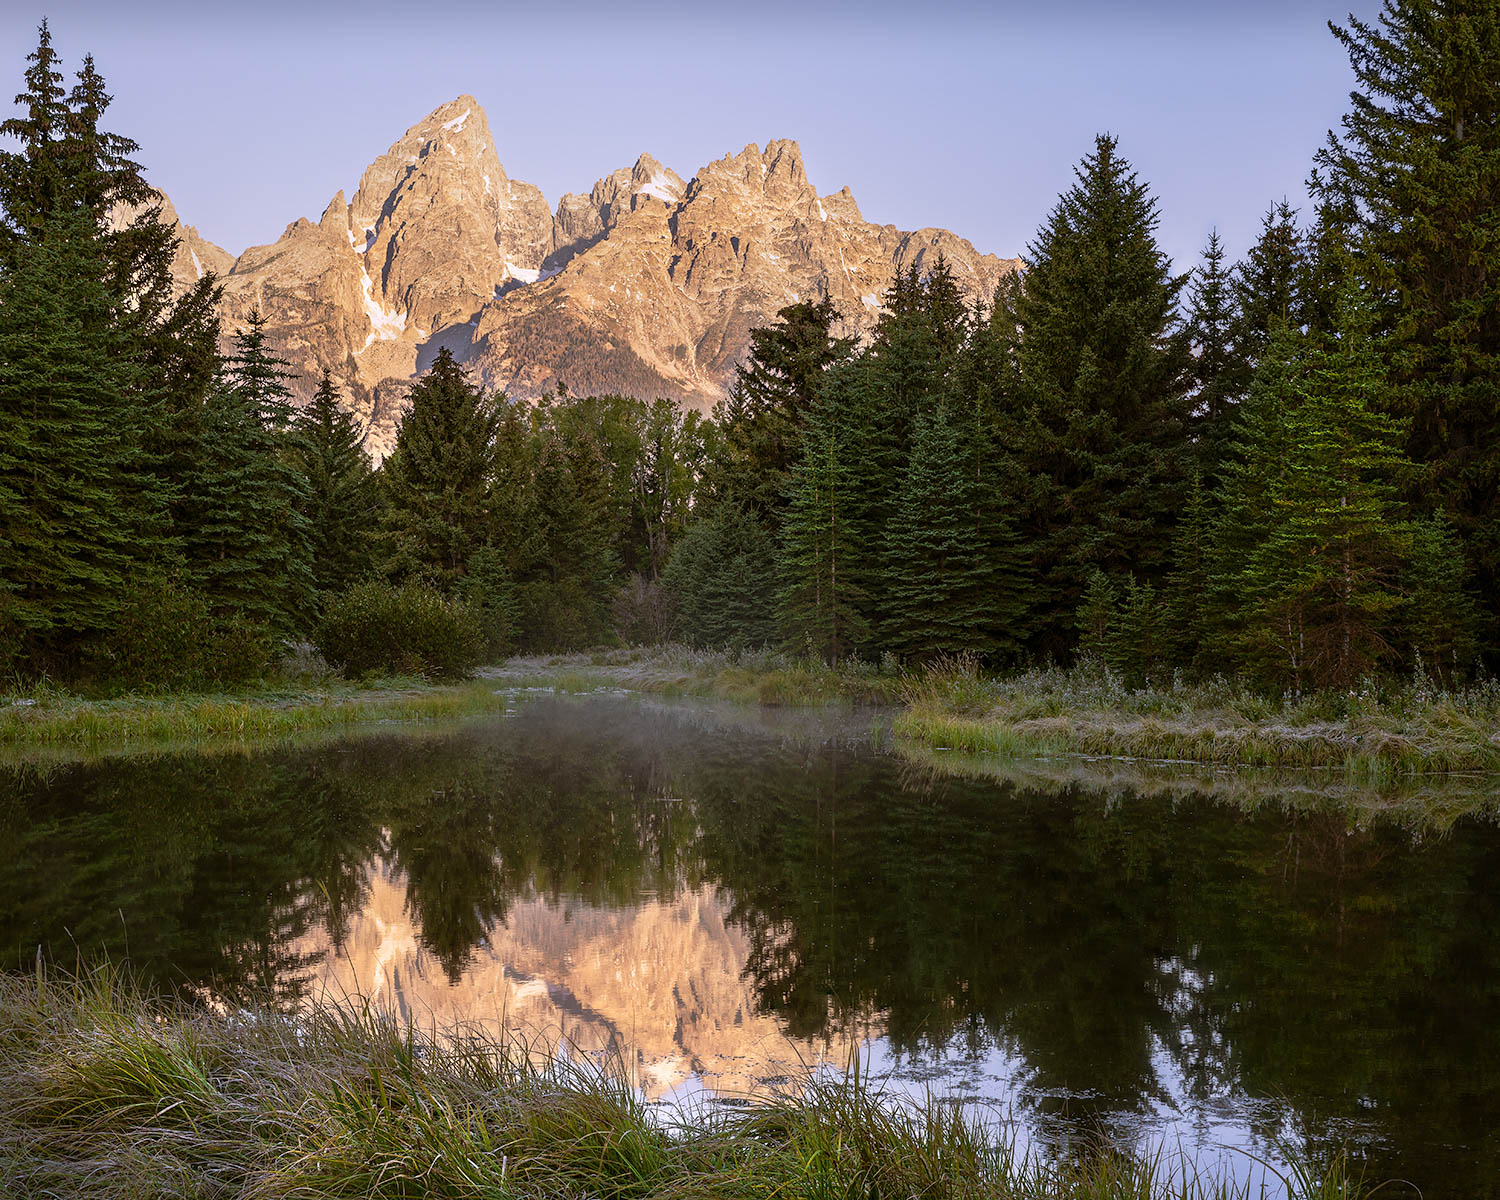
(648, 285)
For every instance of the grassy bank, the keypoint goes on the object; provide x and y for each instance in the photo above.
(1374, 734)
(50, 718)
(109, 1095)
(1386, 732)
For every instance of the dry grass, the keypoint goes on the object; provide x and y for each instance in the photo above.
(111, 1095)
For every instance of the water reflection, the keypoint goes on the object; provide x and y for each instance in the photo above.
(722, 900)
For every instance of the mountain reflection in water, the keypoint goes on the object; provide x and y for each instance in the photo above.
(722, 896)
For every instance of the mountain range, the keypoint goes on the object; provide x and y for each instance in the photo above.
(649, 285)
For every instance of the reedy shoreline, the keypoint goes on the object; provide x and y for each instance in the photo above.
(1377, 735)
(111, 1094)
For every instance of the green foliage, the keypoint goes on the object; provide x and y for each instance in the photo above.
(821, 554)
(1221, 375)
(1097, 613)
(102, 366)
(412, 629)
(1313, 533)
(722, 579)
(1268, 285)
(489, 591)
(168, 638)
(1439, 616)
(955, 581)
(1138, 635)
(438, 480)
(1101, 413)
(245, 534)
(1416, 170)
(78, 508)
(339, 490)
(567, 583)
(766, 412)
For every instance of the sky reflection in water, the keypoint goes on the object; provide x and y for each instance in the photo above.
(727, 896)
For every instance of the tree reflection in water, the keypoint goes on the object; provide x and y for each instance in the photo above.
(1128, 952)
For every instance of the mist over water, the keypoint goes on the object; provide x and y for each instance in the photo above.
(724, 897)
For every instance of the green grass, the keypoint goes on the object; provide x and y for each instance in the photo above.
(50, 718)
(109, 1094)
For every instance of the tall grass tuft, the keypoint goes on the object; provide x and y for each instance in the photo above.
(111, 1093)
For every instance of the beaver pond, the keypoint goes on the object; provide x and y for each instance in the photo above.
(722, 898)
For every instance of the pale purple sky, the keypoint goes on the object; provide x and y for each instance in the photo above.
(969, 116)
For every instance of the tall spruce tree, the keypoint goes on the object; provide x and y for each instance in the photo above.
(244, 530)
(953, 582)
(76, 516)
(722, 577)
(822, 552)
(1416, 168)
(1221, 375)
(564, 595)
(437, 481)
(73, 186)
(766, 411)
(1103, 398)
(339, 490)
(1267, 285)
(1319, 601)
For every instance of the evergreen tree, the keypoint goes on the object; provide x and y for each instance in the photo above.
(952, 584)
(822, 552)
(437, 480)
(1440, 617)
(76, 514)
(1221, 376)
(1137, 645)
(1102, 407)
(564, 597)
(490, 592)
(1191, 618)
(245, 535)
(1417, 169)
(722, 577)
(339, 490)
(67, 184)
(1319, 596)
(767, 409)
(67, 164)
(1098, 611)
(1267, 285)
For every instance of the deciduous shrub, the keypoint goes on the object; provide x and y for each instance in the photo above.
(411, 630)
(167, 636)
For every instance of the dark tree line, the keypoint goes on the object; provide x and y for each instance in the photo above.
(1285, 467)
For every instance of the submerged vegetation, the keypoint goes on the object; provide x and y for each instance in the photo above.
(116, 1095)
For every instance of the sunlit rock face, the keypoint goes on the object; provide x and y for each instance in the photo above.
(661, 984)
(648, 286)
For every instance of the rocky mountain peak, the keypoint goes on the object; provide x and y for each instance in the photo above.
(647, 285)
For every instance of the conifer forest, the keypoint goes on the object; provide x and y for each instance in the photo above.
(1284, 469)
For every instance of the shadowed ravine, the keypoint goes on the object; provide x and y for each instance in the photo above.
(723, 895)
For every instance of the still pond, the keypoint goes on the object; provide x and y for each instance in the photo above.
(727, 897)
